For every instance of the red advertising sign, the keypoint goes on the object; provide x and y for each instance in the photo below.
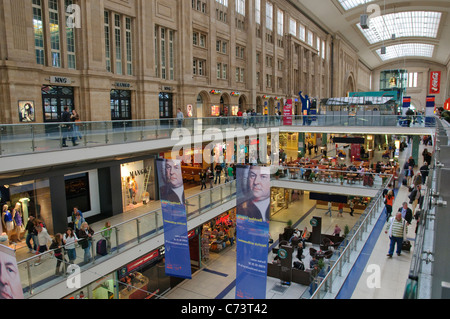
(435, 82)
(287, 113)
(447, 105)
(142, 261)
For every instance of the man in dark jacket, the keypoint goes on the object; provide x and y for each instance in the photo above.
(424, 170)
(406, 213)
(67, 129)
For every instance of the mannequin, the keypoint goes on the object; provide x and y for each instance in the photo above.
(8, 222)
(18, 220)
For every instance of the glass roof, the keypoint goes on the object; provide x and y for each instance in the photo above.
(403, 24)
(350, 4)
(407, 49)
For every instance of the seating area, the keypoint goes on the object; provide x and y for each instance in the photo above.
(361, 172)
(324, 252)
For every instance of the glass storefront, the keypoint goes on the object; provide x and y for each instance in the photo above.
(138, 183)
(54, 99)
(120, 105)
(34, 198)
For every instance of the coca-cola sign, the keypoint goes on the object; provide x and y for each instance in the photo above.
(435, 82)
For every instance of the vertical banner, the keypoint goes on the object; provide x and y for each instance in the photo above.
(287, 112)
(176, 242)
(10, 283)
(252, 215)
(406, 104)
(429, 111)
(435, 82)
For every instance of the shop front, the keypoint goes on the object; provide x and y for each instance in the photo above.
(120, 101)
(218, 234)
(54, 99)
(138, 183)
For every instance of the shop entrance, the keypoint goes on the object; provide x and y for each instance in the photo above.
(120, 105)
(54, 99)
(165, 105)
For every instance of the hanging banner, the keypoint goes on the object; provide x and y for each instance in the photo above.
(10, 285)
(287, 113)
(176, 242)
(431, 102)
(435, 82)
(430, 121)
(252, 221)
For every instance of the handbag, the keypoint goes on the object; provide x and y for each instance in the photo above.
(84, 243)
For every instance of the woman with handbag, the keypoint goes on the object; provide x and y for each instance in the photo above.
(85, 235)
(57, 247)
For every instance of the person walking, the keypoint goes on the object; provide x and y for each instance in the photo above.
(210, 175)
(43, 239)
(352, 207)
(218, 170)
(388, 202)
(329, 209)
(395, 228)
(31, 235)
(203, 178)
(67, 128)
(341, 210)
(75, 118)
(180, 118)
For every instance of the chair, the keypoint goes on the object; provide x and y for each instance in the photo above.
(312, 252)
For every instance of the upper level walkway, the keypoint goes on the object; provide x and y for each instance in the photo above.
(27, 146)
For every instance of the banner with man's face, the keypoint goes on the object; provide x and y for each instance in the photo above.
(10, 284)
(176, 242)
(253, 215)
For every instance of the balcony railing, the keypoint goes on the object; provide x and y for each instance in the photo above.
(38, 277)
(17, 139)
(329, 280)
(38, 273)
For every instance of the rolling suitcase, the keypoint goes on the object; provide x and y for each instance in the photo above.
(406, 246)
(102, 247)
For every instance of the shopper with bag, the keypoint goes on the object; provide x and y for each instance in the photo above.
(396, 228)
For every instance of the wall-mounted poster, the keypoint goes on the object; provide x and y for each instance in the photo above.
(26, 111)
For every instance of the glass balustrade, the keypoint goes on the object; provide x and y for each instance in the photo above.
(39, 272)
(28, 138)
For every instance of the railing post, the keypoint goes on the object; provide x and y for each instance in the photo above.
(92, 251)
(117, 239)
(138, 222)
(30, 281)
(33, 147)
(106, 133)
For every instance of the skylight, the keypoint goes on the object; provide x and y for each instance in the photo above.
(403, 24)
(350, 4)
(407, 50)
